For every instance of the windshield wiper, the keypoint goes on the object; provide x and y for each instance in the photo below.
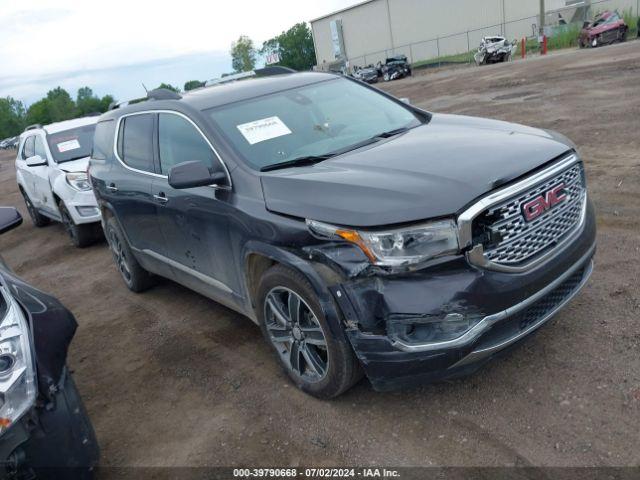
(298, 162)
(392, 133)
(313, 159)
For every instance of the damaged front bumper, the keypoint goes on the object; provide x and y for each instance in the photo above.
(52, 441)
(449, 319)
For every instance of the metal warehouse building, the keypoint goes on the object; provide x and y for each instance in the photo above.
(373, 30)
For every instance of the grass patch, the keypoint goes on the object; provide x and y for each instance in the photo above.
(565, 36)
(632, 21)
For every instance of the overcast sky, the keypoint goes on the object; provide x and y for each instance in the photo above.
(114, 46)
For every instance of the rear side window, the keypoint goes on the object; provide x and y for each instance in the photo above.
(103, 140)
(28, 150)
(179, 141)
(135, 143)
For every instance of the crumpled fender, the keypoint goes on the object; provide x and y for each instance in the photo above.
(20, 179)
(59, 185)
(52, 329)
(318, 275)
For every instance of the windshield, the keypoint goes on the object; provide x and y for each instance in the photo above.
(611, 18)
(71, 144)
(313, 120)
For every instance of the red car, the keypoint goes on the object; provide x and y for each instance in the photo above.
(608, 27)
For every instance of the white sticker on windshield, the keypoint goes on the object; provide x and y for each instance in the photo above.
(68, 145)
(265, 129)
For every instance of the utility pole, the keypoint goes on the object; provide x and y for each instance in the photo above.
(543, 14)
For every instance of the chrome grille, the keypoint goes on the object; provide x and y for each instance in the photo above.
(520, 241)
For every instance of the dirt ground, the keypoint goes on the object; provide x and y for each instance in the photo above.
(171, 378)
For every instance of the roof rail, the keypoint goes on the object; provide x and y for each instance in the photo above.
(260, 72)
(163, 94)
(230, 78)
(33, 127)
(124, 103)
(273, 70)
(157, 94)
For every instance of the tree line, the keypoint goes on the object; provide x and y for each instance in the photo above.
(56, 106)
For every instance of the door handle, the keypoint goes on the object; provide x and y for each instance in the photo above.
(112, 187)
(162, 198)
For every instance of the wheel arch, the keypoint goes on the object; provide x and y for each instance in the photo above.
(20, 180)
(258, 257)
(107, 211)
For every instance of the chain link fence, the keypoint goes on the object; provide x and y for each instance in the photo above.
(460, 47)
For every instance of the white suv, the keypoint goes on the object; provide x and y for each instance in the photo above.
(51, 170)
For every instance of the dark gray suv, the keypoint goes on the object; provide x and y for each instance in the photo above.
(362, 234)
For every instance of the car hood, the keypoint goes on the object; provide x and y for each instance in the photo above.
(434, 170)
(79, 165)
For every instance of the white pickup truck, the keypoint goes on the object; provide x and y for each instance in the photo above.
(51, 170)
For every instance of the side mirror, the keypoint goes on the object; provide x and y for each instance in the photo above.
(9, 219)
(405, 100)
(36, 161)
(193, 174)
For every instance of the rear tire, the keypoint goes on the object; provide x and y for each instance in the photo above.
(37, 218)
(135, 277)
(318, 363)
(81, 235)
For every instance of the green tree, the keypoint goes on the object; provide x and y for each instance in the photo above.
(87, 102)
(39, 112)
(295, 47)
(12, 117)
(105, 102)
(169, 87)
(61, 105)
(243, 54)
(192, 84)
(55, 107)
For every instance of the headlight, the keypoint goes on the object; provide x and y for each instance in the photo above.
(79, 181)
(17, 374)
(397, 248)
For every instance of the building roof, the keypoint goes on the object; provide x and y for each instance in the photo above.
(359, 4)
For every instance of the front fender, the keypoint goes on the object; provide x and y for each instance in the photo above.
(59, 185)
(20, 179)
(296, 261)
(52, 328)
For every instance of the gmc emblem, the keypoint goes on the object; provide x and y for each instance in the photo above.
(536, 207)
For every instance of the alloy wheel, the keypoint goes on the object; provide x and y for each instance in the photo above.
(119, 256)
(296, 334)
(68, 224)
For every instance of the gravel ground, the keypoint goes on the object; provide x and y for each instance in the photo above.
(171, 378)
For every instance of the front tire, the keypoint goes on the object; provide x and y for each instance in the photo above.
(295, 326)
(37, 218)
(81, 235)
(135, 277)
